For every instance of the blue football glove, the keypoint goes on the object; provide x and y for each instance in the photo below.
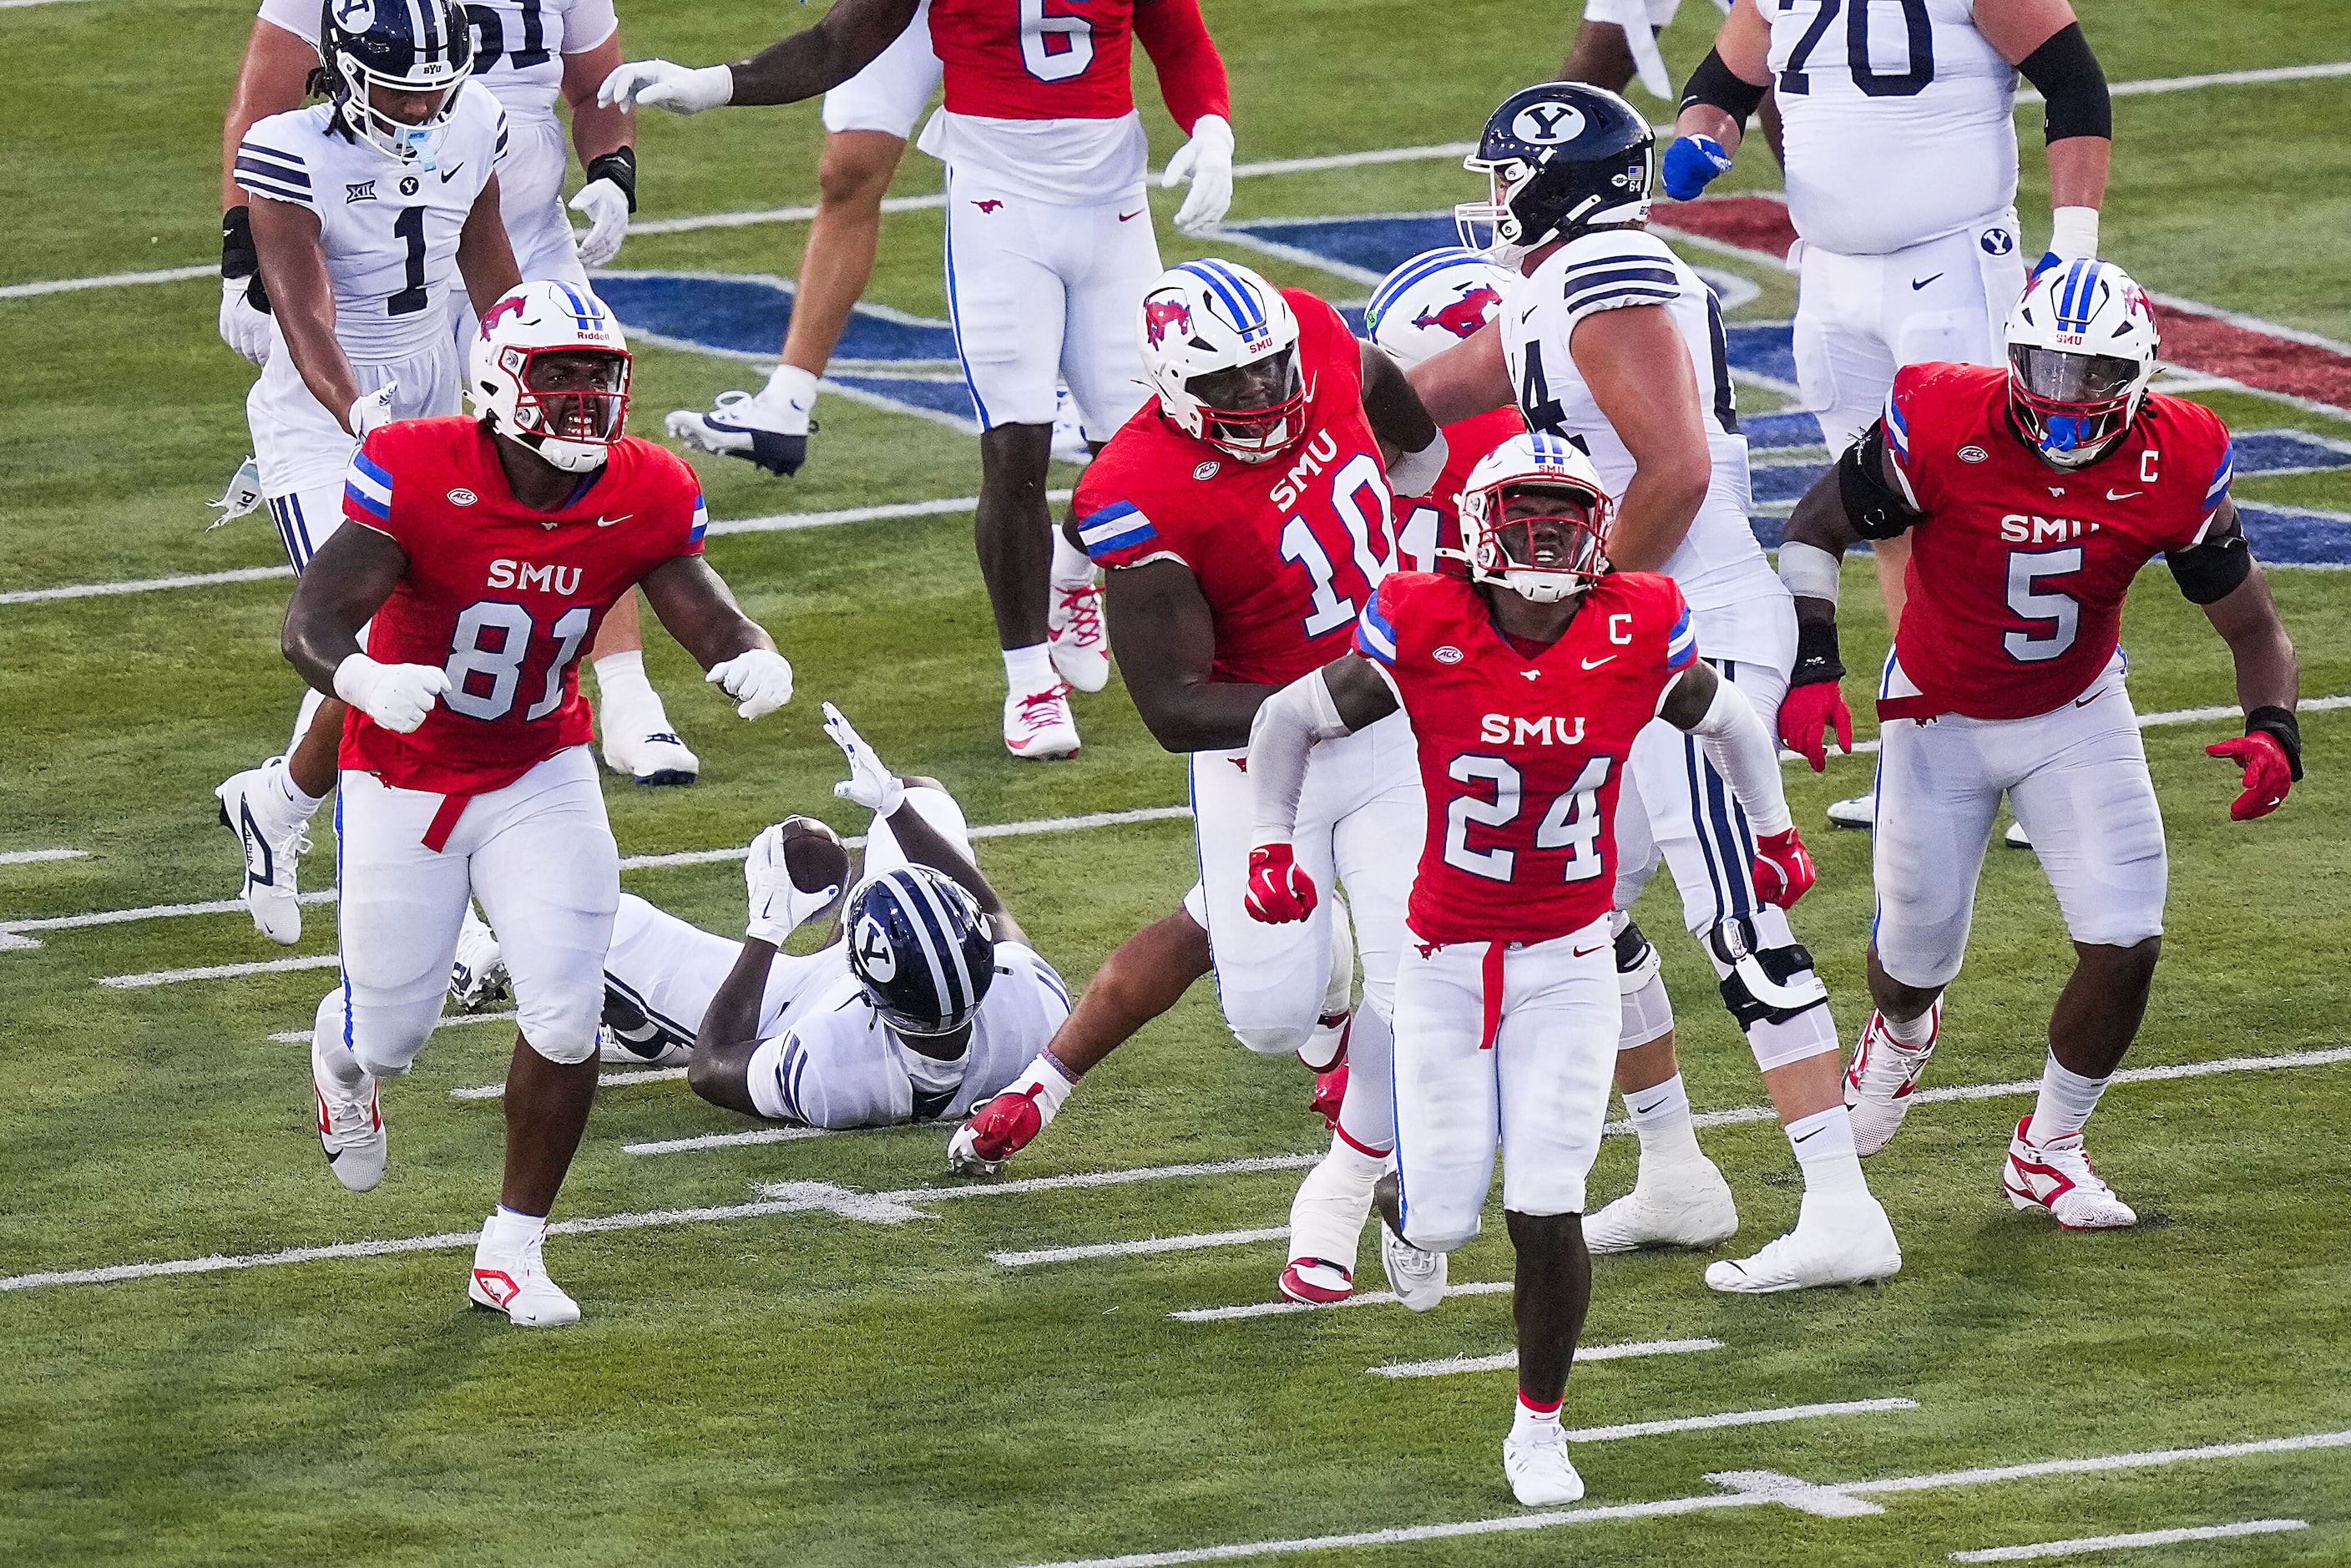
(2049, 258)
(1693, 164)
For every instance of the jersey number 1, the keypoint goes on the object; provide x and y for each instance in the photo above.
(509, 627)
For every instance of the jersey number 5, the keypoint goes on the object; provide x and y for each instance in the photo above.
(491, 641)
(2061, 613)
(1573, 823)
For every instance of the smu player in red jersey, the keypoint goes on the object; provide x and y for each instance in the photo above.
(1525, 685)
(1439, 298)
(486, 552)
(1244, 518)
(2031, 497)
(1048, 246)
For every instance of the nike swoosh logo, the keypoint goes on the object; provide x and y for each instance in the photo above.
(1587, 952)
(603, 522)
(448, 175)
(1918, 283)
(2123, 495)
(1596, 664)
(1136, 213)
(1815, 1132)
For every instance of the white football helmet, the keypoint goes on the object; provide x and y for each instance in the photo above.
(1435, 300)
(1220, 346)
(1504, 550)
(572, 425)
(2081, 351)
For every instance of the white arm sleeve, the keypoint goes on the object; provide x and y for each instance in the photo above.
(1281, 737)
(1743, 751)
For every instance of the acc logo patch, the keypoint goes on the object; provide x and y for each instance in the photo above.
(1997, 242)
(1972, 453)
(1547, 124)
(1447, 654)
(874, 956)
(462, 497)
(408, 186)
(1207, 470)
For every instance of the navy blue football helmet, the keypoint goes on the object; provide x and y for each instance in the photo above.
(920, 948)
(403, 45)
(1559, 158)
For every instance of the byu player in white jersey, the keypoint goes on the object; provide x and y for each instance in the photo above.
(529, 54)
(931, 1003)
(1899, 143)
(1610, 339)
(367, 210)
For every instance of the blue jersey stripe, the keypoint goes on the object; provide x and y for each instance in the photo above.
(261, 160)
(1628, 293)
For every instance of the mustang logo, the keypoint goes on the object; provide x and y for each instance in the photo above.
(1463, 317)
(990, 205)
(1159, 316)
(510, 306)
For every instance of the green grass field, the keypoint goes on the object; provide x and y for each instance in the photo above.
(803, 1387)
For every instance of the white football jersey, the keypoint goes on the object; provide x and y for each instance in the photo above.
(1719, 563)
(518, 44)
(1898, 121)
(389, 229)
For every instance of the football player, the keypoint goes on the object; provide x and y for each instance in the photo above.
(1901, 173)
(932, 1002)
(529, 54)
(1610, 339)
(1526, 685)
(1050, 245)
(1245, 517)
(365, 210)
(2031, 495)
(483, 555)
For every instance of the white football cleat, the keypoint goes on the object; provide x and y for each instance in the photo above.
(350, 1124)
(515, 1283)
(747, 426)
(1878, 1084)
(1317, 1282)
(1069, 431)
(1040, 726)
(1685, 1204)
(2017, 838)
(2056, 1175)
(1850, 1242)
(649, 1045)
(653, 758)
(1861, 811)
(1418, 1278)
(477, 977)
(1534, 1456)
(273, 849)
(1079, 647)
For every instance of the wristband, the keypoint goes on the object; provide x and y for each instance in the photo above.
(620, 166)
(1810, 572)
(1817, 657)
(2281, 726)
(2073, 233)
(238, 257)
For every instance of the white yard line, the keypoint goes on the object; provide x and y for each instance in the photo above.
(217, 972)
(450, 1021)
(726, 1140)
(1739, 1418)
(603, 1080)
(34, 857)
(104, 280)
(2087, 1543)
(1749, 1494)
(1363, 1299)
(145, 584)
(1509, 1358)
(1139, 1248)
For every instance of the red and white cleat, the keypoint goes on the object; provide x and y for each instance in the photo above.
(513, 1280)
(351, 1124)
(1330, 1093)
(992, 1134)
(2056, 1175)
(1039, 726)
(1317, 1282)
(1884, 1072)
(1079, 646)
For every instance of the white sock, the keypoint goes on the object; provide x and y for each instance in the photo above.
(1661, 1120)
(1918, 1033)
(287, 794)
(1823, 1146)
(629, 699)
(329, 1054)
(1029, 670)
(2066, 1100)
(506, 1231)
(1529, 1417)
(1072, 568)
(788, 397)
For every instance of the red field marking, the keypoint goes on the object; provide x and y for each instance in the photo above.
(2195, 337)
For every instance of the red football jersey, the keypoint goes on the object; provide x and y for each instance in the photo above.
(1287, 552)
(1522, 757)
(1431, 523)
(504, 597)
(2018, 572)
(1068, 59)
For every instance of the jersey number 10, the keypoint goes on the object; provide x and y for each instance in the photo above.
(1359, 493)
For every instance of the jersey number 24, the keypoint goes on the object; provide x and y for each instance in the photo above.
(1573, 823)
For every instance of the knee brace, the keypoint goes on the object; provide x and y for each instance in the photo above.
(1647, 1012)
(1762, 984)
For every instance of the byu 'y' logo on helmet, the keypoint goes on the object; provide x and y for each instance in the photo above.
(1547, 124)
(357, 15)
(921, 948)
(875, 958)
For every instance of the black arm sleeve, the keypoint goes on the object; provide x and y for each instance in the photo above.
(1714, 82)
(1875, 511)
(2211, 571)
(2067, 75)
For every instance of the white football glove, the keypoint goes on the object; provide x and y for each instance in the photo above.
(1208, 161)
(243, 495)
(680, 89)
(371, 410)
(607, 209)
(242, 326)
(869, 784)
(778, 906)
(396, 696)
(760, 680)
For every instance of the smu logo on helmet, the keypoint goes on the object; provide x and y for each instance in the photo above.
(1462, 317)
(512, 304)
(1547, 124)
(875, 953)
(1160, 316)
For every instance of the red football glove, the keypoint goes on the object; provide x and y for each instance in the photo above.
(2268, 775)
(1279, 891)
(1808, 710)
(1784, 872)
(998, 1130)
